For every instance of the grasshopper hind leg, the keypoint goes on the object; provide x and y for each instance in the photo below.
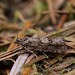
(30, 51)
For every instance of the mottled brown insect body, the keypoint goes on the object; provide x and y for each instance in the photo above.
(56, 45)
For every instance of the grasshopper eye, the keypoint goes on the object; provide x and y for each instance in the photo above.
(26, 38)
(17, 41)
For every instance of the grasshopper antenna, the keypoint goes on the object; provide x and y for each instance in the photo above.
(17, 35)
(17, 31)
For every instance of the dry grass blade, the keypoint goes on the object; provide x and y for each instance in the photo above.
(8, 38)
(40, 32)
(53, 61)
(7, 71)
(66, 62)
(63, 32)
(4, 42)
(11, 60)
(71, 72)
(71, 39)
(4, 58)
(59, 11)
(41, 57)
(62, 20)
(18, 64)
(45, 19)
(8, 56)
(30, 58)
(10, 52)
(51, 11)
(70, 51)
(58, 3)
(71, 44)
(5, 25)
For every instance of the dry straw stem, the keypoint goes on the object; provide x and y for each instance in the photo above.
(61, 22)
(71, 39)
(66, 62)
(41, 57)
(59, 11)
(4, 54)
(4, 58)
(63, 32)
(5, 42)
(71, 72)
(7, 71)
(51, 11)
(11, 60)
(5, 25)
(53, 61)
(8, 38)
(71, 42)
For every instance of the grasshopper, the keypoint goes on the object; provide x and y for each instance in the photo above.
(31, 44)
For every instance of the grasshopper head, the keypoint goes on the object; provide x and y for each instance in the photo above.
(22, 41)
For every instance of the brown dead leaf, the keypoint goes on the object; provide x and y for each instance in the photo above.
(70, 39)
(26, 71)
(72, 2)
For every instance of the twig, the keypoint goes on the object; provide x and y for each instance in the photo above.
(59, 11)
(61, 22)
